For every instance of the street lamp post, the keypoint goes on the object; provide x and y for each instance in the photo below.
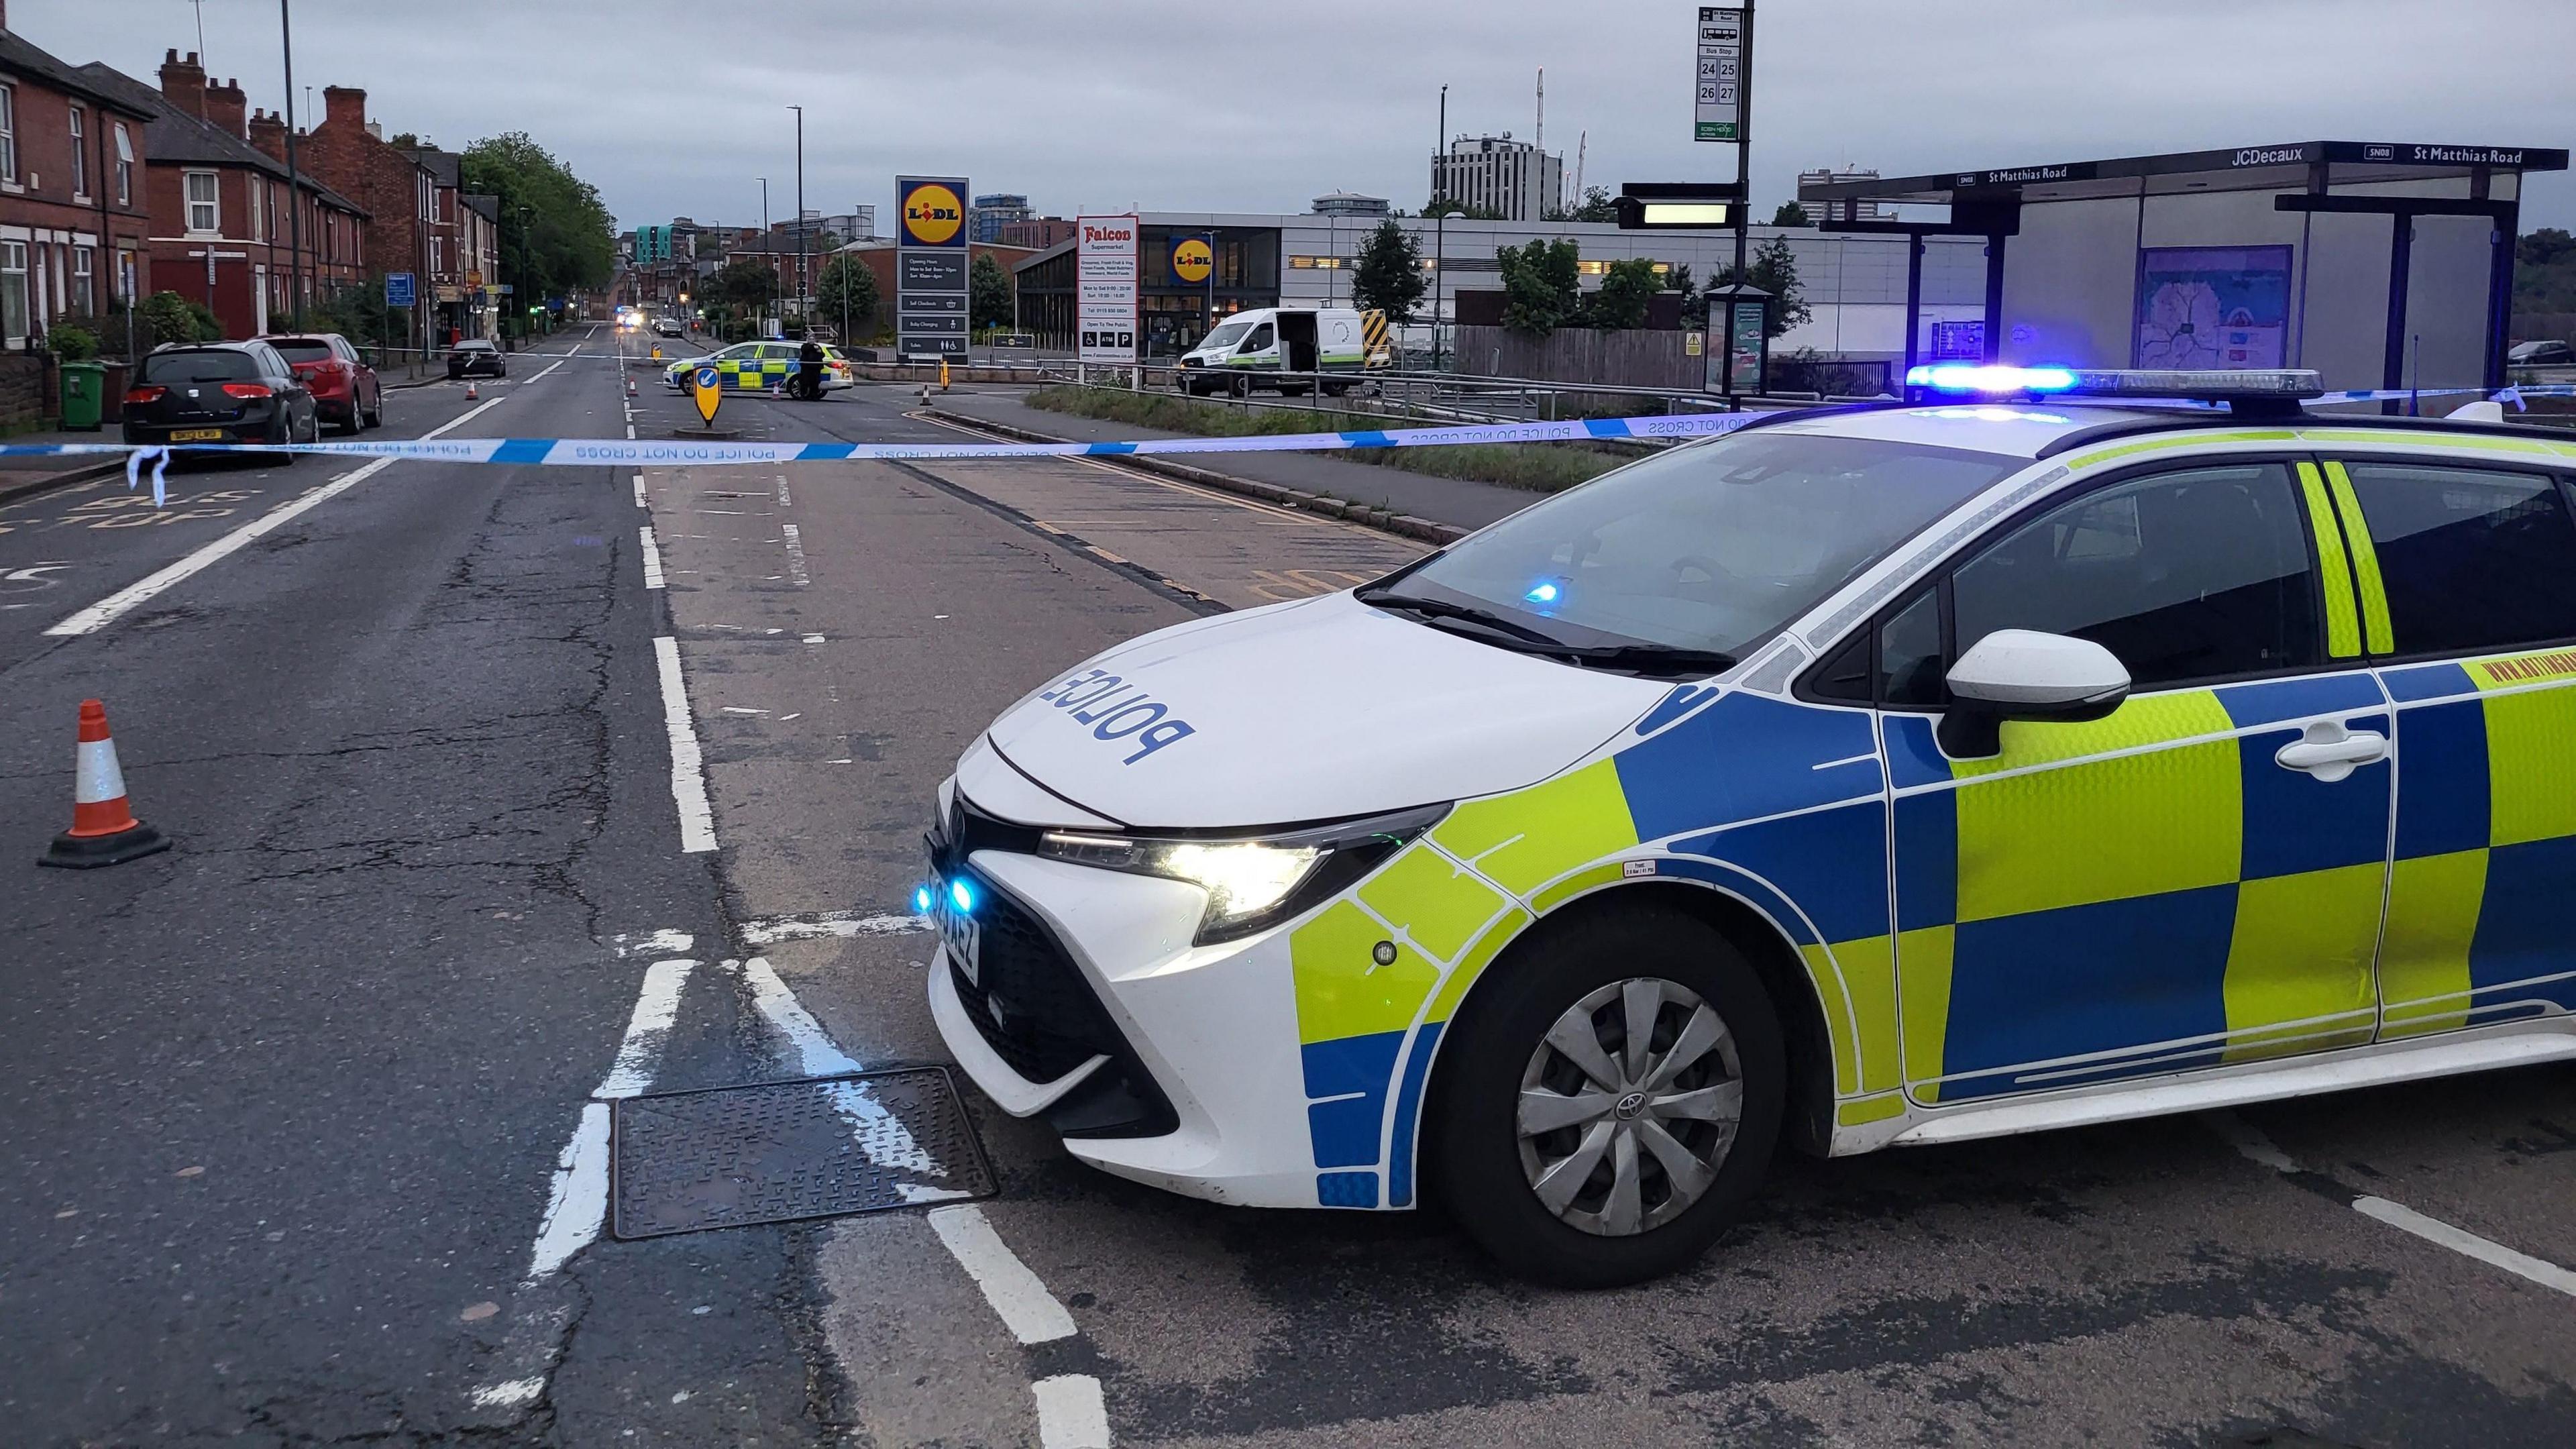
(765, 253)
(294, 212)
(1439, 230)
(802, 320)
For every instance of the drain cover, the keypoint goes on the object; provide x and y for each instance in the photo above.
(777, 1152)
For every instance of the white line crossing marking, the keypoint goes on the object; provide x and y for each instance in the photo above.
(816, 1054)
(688, 774)
(795, 553)
(822, 924)
(1071, 1414)
(1025, 1306)
(652, 558)
(657, 1006)
(115, 606)
(578, 1202)
(2249, 1140)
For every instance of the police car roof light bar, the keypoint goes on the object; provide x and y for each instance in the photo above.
(2244, 389)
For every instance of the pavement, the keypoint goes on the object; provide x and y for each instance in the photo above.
(298, 1148)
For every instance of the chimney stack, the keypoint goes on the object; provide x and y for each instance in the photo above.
(183, 83)
(268, 133)
(226, 106)
(344, 108)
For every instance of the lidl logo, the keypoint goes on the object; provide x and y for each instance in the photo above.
(1192, 259)
(932, 214)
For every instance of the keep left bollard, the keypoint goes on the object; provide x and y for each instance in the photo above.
(104, 830)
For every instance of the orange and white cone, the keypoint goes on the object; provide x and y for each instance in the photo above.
(104, 830)
(472, 393)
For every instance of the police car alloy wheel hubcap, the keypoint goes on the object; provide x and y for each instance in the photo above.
(1628, 1107)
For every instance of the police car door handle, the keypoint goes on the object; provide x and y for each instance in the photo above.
(2329, 752)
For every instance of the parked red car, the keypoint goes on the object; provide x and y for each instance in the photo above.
(345, 391)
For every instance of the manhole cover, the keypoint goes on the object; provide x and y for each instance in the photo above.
(776, 1152)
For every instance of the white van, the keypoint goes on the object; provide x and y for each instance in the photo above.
(1273, 340)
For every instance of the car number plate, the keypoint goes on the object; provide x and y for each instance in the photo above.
(964, 939)
(197, 435)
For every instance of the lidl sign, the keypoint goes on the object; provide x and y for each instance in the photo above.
(1192, 259)
(933, 215)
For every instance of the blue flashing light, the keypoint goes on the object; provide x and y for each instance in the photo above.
(921, 899)
(1545, 592)
(1970, 377)
(961, 895)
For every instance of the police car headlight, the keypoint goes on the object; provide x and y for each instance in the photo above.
(1251, 882)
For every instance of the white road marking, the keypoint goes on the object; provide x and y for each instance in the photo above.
(510, 1394)
(658, 945)
(1071, 1414)
(784, 500)
(815, 1053)
(743, 709)
(578, 1202)
(843, 924)
(652, 558)
(688, 775)
(657, 1006)
(2249, 1140)
(540, 377)
(1025, 1306)
(813, 638)
(115, 606)
(2460, 1240)
(795, 554)
(639, 492)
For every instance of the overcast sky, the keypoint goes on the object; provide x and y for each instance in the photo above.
(672, 109)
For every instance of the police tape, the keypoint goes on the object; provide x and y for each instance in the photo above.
(683, 453)
(680, 452)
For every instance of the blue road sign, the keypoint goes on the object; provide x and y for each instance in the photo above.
(398, 290)
(707, 377)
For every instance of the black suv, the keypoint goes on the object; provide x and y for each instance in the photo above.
(218, 392)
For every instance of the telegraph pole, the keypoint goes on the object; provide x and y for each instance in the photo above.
(1439, 229)
(801, 319)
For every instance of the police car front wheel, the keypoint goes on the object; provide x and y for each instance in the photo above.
(1611, 1101)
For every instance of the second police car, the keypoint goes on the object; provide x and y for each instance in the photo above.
(1883, 776)
(758, 367)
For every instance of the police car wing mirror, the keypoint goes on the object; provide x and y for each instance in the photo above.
(2022, 674)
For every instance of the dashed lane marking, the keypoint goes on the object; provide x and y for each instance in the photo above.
(821, 925)
(1017, 1297)
(639, 492)
(2250, 1141)
(652, 558)
(1071, 1413)
(115, 606)
(795, 554)
(688, 773)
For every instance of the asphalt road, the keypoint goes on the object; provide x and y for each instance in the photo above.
(414, 751)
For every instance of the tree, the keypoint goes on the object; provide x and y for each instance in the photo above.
(1596, 205)
(1443, 206)
(1775, 270)
(1388, 273)
(989, 292)
(1540, 288)
(745, 284)
(2544, 277)
(556, 236)
(1694, 301)
(1791, 214)
(847, 289)
(1621, 302)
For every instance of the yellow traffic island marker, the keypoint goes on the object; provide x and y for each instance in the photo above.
(706, 389)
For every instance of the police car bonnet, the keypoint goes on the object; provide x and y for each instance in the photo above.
(1306, 711)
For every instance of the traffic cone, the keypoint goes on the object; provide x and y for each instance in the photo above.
(630, 387)
(472, 393)
(104, 830)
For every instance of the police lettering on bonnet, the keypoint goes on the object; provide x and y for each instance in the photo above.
(2019, 755)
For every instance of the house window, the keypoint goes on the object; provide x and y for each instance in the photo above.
(9, 152)
(80, 152)
(84, 300)
(258, 198)
(124, 166)
(203, 214)
(13, 289)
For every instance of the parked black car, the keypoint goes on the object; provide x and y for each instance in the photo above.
(218, 392)
(2541, 354)
(477, 358)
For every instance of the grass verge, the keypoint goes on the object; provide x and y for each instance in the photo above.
(1537, 467)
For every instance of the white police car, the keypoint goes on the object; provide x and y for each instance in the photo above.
(1877, 776)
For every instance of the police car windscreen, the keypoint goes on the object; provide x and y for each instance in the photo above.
(1715, 547)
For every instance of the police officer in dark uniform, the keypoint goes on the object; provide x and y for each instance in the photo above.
(809, 371)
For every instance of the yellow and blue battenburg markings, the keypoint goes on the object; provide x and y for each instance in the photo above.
(2486, 843)
(1780, 804)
